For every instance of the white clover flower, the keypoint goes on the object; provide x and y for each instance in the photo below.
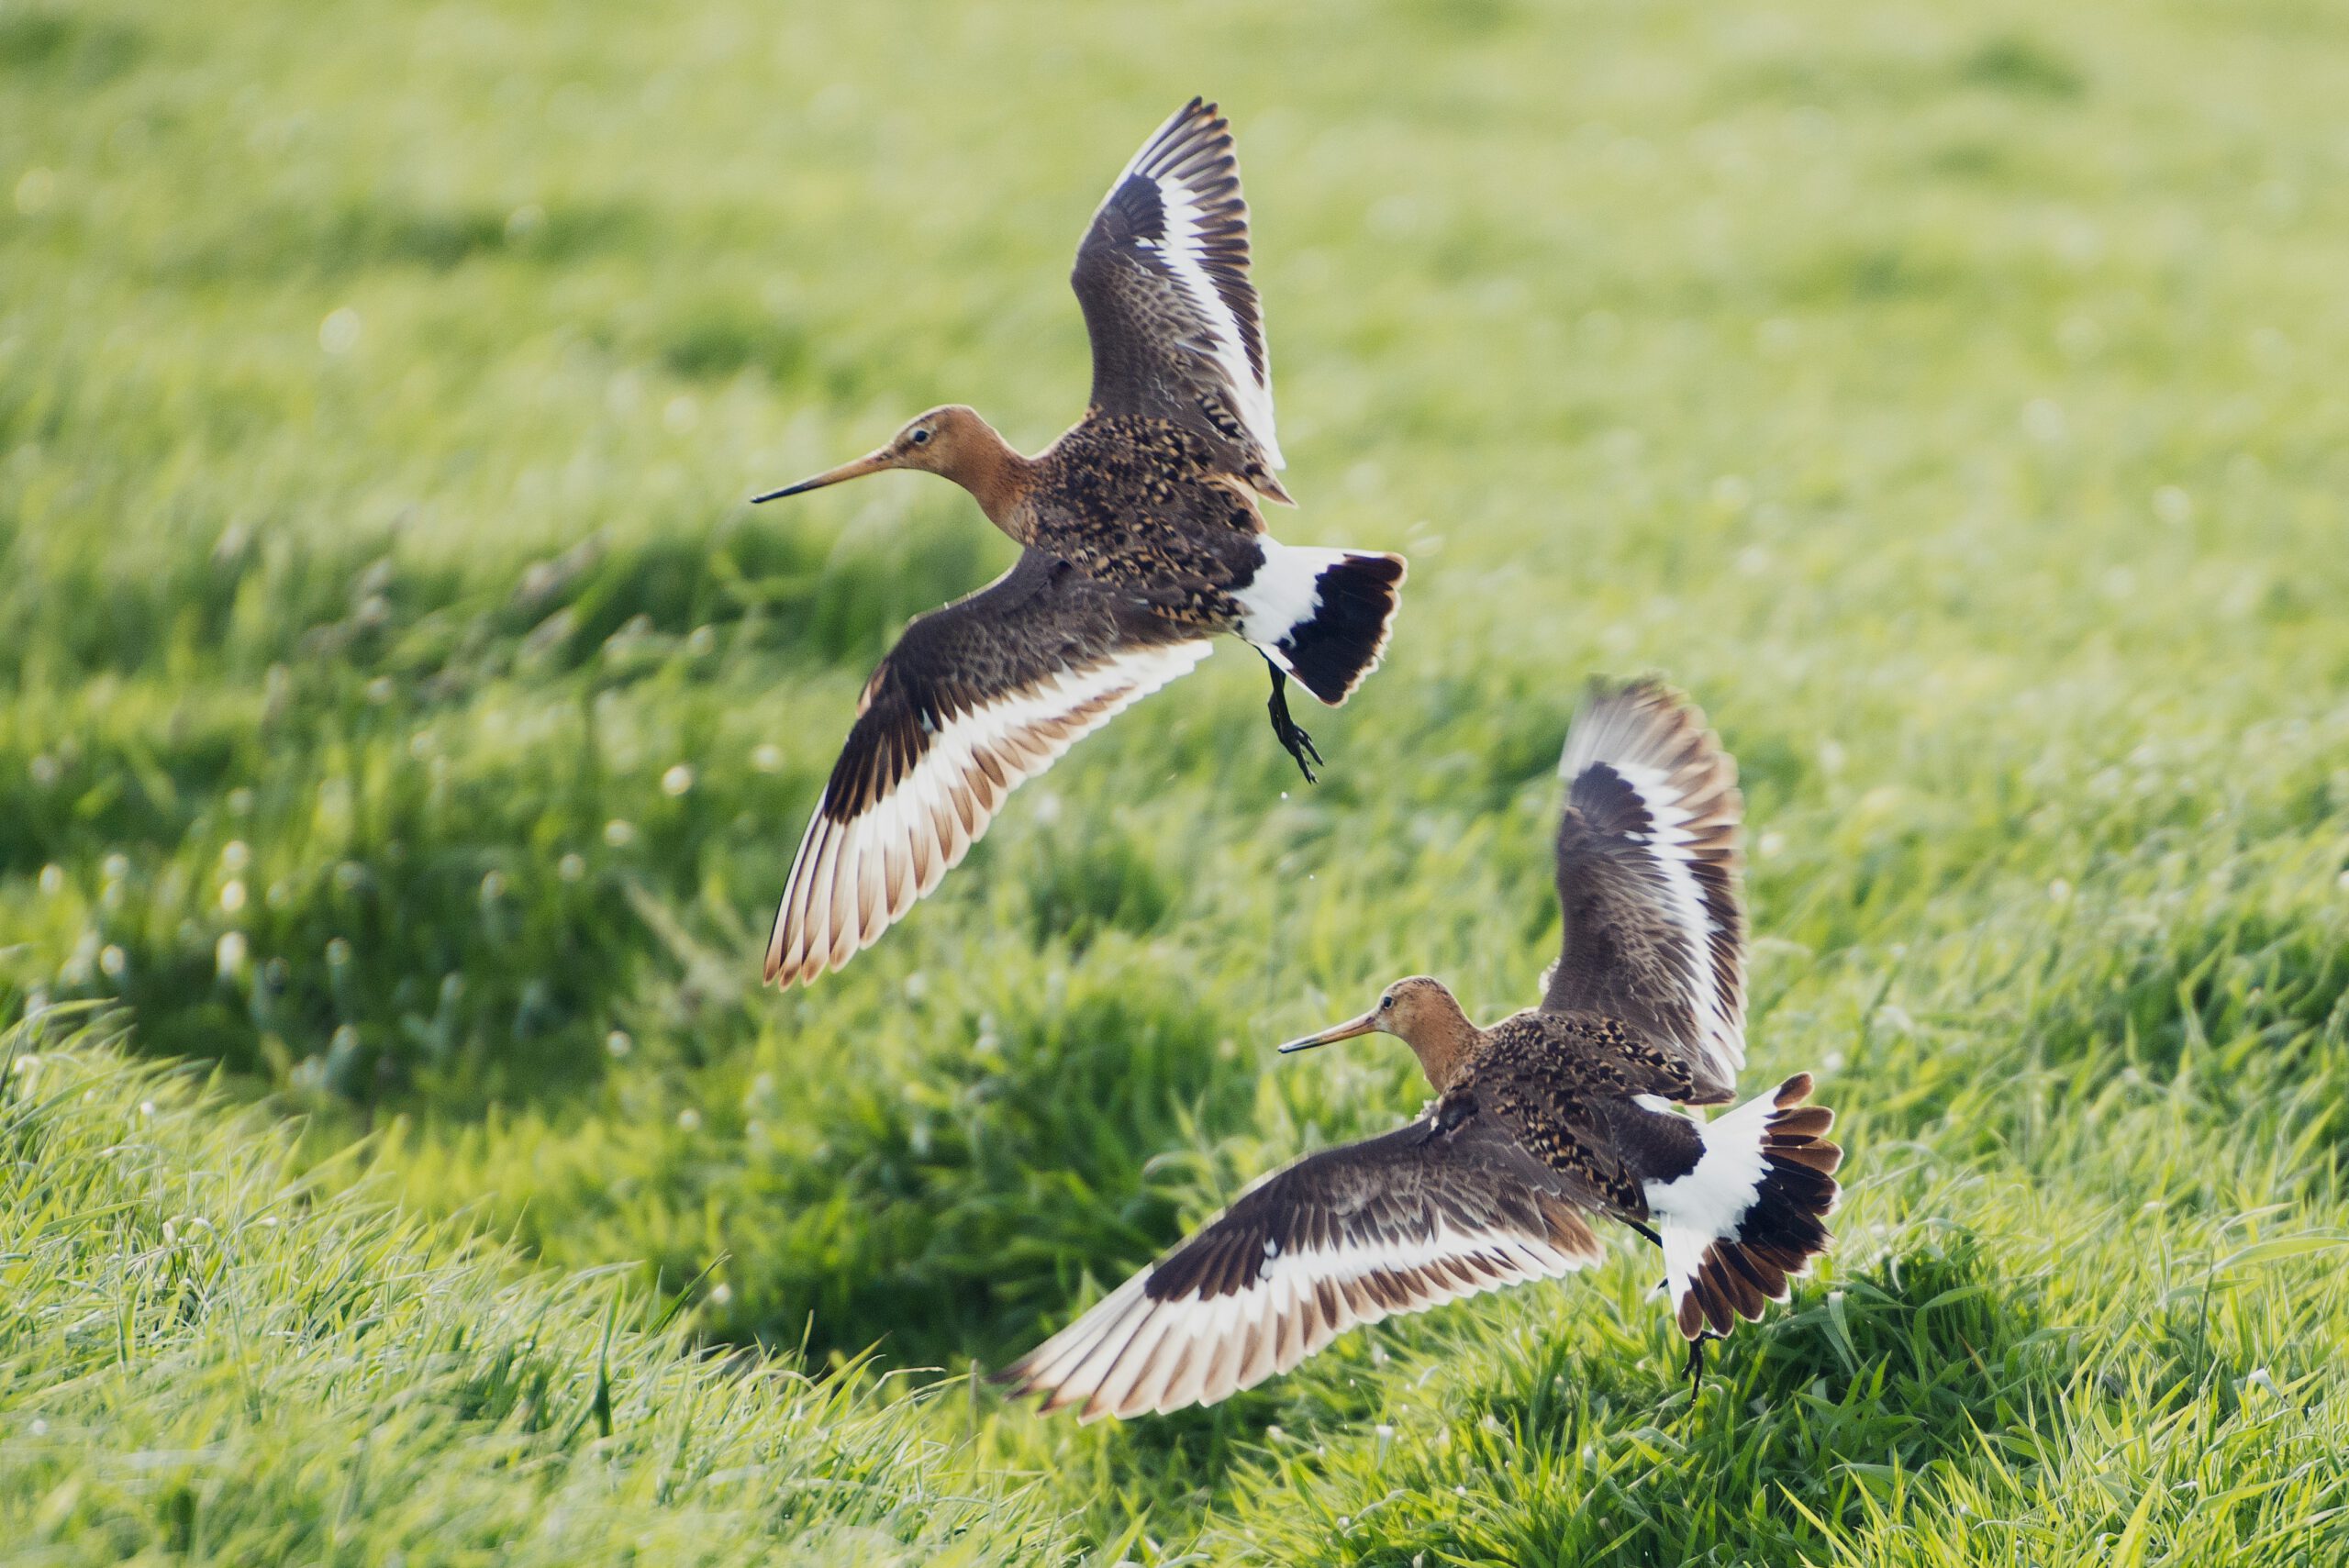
(338, 333)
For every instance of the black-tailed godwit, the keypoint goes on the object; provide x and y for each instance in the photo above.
(1549, 1117)
(1142, 541)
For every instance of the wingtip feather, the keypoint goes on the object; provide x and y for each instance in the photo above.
(854, 878)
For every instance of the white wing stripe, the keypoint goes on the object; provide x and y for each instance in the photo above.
(1130, 1354)
(1183, 250)
(1185, 253)
(1669, 844)
(1111, 1325)
(851, 880)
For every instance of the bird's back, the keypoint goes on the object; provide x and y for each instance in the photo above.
(1594, 1051)
(1569, 1086)
(1129, 471)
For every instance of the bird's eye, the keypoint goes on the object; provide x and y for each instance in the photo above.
(1386, 1003)
(921, 438)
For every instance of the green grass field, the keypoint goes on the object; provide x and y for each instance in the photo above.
(410, 728)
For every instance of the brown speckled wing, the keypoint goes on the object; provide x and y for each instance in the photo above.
(1163, 277)
(1648, 868)
(975, 699)
(1392, 1224)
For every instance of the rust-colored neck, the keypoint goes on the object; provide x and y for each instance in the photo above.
(1443, 1039)
(997, 477)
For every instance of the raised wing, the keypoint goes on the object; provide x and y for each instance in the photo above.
(1648, 867)
(1162, 276)
(975, 697)
(1391, 1223)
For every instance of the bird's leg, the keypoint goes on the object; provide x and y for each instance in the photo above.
(1643, 1230)
(1293, 738)
(1696, 1367)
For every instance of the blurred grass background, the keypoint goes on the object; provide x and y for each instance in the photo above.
(408, 719)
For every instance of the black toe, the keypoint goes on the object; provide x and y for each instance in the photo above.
(1291, 735)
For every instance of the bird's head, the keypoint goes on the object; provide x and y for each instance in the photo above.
(1422, 1014)
(948, 441)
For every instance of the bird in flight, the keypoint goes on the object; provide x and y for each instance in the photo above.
(1141, 540)
(1554, 1116)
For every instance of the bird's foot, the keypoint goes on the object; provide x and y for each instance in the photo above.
(1291, 735)
(1696, 1367)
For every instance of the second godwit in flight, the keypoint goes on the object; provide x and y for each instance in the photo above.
(1541, 1121)
(1141, 542)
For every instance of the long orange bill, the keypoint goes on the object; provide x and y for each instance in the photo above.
(1366, 1024)
(873, 463)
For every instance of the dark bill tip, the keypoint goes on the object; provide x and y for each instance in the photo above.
(1347, 1030)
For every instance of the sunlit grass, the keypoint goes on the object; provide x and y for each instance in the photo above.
(210, 1357)
(406, 715)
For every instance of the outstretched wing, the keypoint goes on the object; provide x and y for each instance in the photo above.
(1391, 1223)
(975, 697)
(1648, 866)
(1162, 276)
